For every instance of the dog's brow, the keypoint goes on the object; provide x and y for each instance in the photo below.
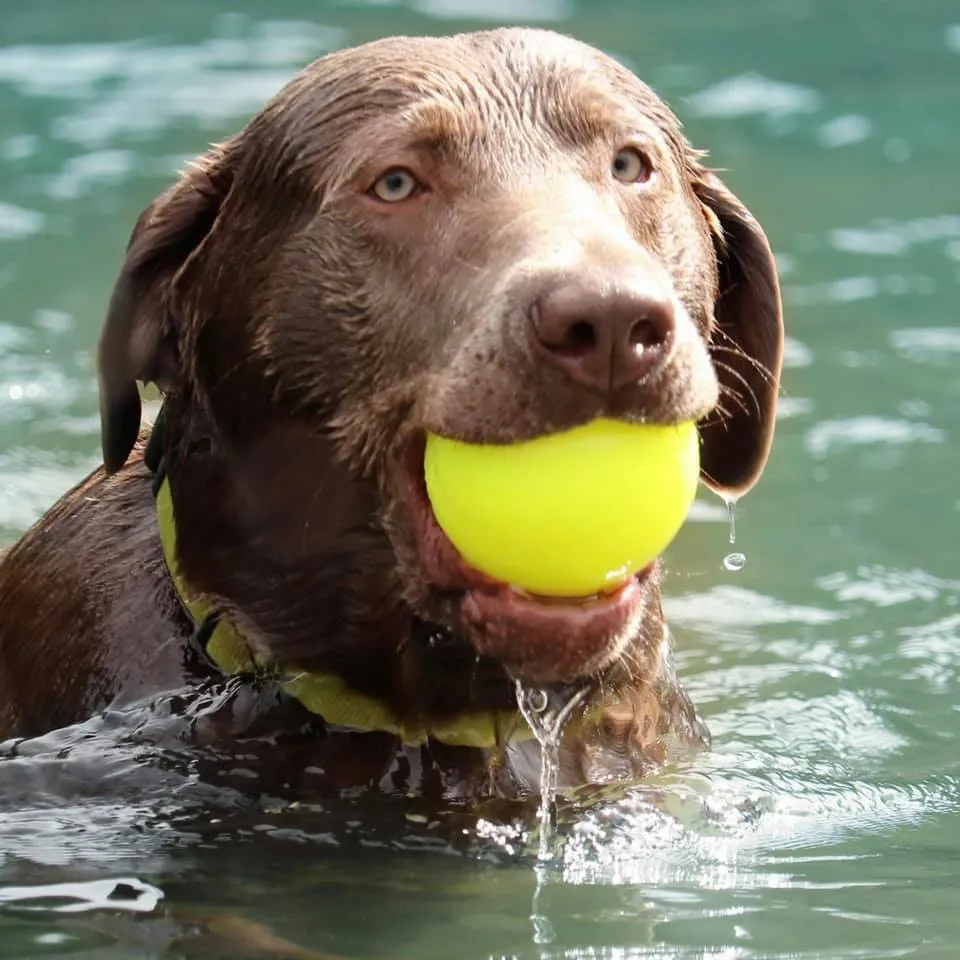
(589, 115)
(435, 128)
(576, 121)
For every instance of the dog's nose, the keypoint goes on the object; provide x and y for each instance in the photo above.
(604, 336)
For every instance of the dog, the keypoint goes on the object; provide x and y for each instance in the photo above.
(492, 236)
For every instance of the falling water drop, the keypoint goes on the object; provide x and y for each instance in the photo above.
(731, 503)
(734, 562)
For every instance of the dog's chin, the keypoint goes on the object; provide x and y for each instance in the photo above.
(537, 639)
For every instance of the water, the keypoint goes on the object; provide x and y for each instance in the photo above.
(731, 503)
(733, 562)
(547, 711)
(822, 823)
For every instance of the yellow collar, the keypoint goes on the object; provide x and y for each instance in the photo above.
(327, 694)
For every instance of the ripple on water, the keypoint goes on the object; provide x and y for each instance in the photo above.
(137, 88)
(735, 834)
(518, 11)
(796, 354)
(931, 653)
(936, 346)
(21, 146)
(890, 239)
(788, 407)
(829, 436)
(751, 94)
(32, 385)
(844, 131)
(893, 238)
(725, 607)
(843, 290)
(83, 173)
(31, 479)
(18, 223)
(886, 587)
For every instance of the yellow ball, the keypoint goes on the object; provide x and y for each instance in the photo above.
(570, 514)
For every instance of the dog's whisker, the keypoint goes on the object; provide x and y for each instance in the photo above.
(735, 348)
(751, 393)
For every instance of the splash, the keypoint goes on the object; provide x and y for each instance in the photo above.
(547, 710)
(734, 562)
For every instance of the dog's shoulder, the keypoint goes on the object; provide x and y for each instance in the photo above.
(87, 611)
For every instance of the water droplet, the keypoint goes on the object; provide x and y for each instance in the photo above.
(537, 700)
(731, 503)
(734, 562)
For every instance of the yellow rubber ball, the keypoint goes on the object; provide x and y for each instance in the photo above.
(569, 514)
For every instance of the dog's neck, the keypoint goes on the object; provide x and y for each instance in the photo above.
(281, 537)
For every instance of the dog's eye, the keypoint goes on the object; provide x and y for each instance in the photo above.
(631, 166)
(395, 185)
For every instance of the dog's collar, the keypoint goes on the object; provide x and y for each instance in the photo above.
(324, 694)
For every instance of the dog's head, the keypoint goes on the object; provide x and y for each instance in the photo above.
(491, 236)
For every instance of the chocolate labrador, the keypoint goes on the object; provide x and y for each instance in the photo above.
(491, 236)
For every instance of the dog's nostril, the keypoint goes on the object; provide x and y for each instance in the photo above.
(581, 336)
(605, 336)
(647, 334)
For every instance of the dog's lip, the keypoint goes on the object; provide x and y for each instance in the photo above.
(541, 639)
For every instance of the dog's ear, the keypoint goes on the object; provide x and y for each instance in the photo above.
(139, 339)
(746, 344)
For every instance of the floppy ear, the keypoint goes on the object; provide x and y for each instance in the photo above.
(746, 345)
(139, 336)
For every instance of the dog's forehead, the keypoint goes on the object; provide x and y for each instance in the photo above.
(466, 88)
(510, 68)
(496, 97)
(504, 52)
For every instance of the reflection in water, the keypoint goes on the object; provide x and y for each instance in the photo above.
(127, 893)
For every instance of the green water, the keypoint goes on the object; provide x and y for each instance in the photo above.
(824, 821)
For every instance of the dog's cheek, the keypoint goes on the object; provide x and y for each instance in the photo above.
(318, 334)
(699, 385)
(414, 587)
(688, 252)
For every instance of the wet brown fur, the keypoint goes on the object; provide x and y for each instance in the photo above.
(302, 332)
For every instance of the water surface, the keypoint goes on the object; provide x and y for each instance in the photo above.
(824, 821)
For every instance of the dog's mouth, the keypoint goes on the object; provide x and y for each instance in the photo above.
(538, 639)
